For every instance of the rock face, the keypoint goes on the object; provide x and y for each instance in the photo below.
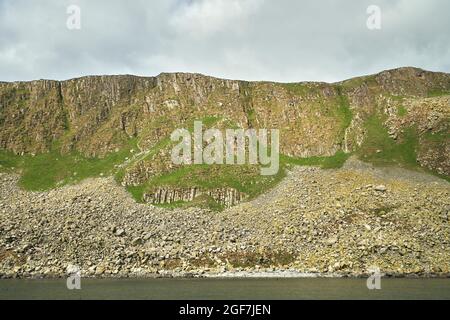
(227, 197)
(97, 115)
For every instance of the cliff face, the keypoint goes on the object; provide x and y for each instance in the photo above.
(83, 114)
(31, 116)
(96, 116)
(226, 197)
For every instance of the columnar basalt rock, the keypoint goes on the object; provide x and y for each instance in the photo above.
(227, 197)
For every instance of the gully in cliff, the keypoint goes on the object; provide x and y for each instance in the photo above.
(231, 150)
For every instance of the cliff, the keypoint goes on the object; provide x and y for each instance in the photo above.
(399, 116)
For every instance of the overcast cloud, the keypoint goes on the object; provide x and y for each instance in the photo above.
(279, 40)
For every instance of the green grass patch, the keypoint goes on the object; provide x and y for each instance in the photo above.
(438, 137)
(379, 148)
(344, 113)
(245, 96)
(438, 93)
(137, 192)
(401, 111)
(49, 170)
(9, 161)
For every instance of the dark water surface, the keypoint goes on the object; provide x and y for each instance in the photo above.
(315, 288)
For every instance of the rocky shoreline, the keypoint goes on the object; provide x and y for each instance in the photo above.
(278, 274)
(327, 223)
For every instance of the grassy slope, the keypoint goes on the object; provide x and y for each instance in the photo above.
(49, 170)
(438, 93)
(380, 148)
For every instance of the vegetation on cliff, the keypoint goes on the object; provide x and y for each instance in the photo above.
(57, 133)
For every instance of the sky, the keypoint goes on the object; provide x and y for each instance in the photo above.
(274, 40)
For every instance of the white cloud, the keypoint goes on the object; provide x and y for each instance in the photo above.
(207, 17)
(283, 40)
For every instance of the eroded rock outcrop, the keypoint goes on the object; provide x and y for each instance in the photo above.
(227, 197)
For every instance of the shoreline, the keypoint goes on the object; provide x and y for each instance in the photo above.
(285, 274)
